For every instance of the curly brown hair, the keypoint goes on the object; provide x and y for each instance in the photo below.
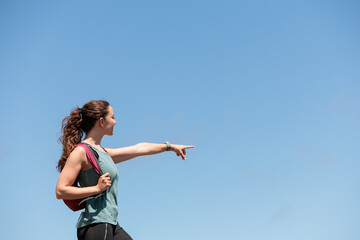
(79, 121)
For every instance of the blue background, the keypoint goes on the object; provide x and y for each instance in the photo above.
(266, 91)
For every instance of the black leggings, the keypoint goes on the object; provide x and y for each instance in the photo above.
(102, 231)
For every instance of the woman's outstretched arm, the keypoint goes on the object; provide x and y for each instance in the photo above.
(145, 148)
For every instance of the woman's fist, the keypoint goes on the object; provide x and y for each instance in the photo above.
(104, 182)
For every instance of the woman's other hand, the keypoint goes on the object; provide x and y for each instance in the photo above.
(180, 149)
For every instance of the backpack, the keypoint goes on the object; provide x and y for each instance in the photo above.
(93, 157)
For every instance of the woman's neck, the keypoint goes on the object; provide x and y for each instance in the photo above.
(94, 140)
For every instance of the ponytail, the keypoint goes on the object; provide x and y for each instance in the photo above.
(72, 135)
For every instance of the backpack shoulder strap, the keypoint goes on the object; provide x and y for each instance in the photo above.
(90, 155)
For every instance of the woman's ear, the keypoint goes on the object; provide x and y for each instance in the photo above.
(101, 122)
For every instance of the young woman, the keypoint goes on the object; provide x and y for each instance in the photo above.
(99, 218)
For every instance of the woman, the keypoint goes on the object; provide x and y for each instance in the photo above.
(99, 218)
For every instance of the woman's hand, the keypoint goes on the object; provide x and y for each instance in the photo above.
(180, 150)
(104, 182)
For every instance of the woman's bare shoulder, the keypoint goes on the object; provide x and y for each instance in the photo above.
(78, 155)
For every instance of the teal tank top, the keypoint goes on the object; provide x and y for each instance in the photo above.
(103, 209)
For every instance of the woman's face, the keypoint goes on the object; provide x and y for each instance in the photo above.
(109, 122)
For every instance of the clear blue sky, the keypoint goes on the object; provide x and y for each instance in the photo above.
(266, 91)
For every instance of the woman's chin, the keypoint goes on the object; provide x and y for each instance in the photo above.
(109, 133)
